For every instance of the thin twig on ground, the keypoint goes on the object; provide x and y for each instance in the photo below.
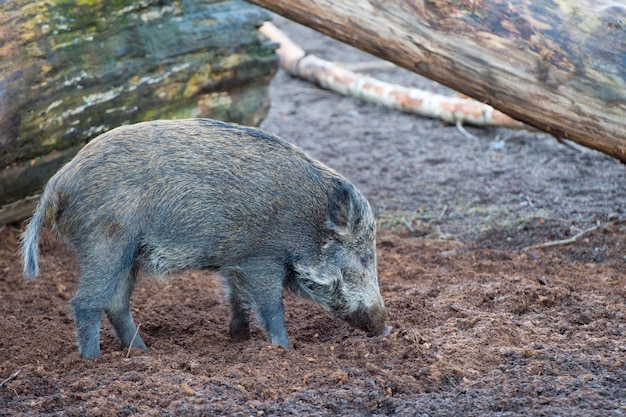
(460, 128)
(443, 212)
(568, 144)
(10, 378)
(133, 340)
(571, 239)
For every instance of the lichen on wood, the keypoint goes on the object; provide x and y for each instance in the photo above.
(72, 69)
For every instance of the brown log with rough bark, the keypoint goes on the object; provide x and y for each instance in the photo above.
(557, 65)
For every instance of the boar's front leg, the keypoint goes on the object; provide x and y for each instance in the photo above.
(258, 283)
(272, 315)
(239, 327)
(268, 277)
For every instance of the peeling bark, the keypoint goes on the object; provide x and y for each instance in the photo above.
(559, 65)
(409, 100)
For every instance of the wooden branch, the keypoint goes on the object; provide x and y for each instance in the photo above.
(555, 65)
(331, 76)
(568, 240)
(10, 378)
(130, 346)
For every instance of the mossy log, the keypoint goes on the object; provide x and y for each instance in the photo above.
(72, 69)
(557, 65)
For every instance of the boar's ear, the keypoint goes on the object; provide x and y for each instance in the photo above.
(341, 209)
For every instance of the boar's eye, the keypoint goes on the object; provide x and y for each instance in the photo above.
(365, 260)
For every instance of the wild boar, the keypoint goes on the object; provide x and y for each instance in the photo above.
(166, 196)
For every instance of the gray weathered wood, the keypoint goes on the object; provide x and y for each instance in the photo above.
(71, 70)
(557, 65)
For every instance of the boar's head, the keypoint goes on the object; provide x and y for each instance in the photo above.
(342, 275)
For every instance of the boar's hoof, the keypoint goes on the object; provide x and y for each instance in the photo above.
(239, 333)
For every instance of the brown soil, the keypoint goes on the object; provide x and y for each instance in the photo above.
(480, 326)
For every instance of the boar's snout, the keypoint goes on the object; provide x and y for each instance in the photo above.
(371, 320)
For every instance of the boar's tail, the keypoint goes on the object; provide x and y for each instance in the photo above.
(29, 241)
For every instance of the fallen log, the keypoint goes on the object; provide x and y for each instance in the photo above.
(454, 110)
(558, 66)
(71, 70)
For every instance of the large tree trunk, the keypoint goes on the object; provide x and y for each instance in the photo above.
(557, 65)
(70, 70)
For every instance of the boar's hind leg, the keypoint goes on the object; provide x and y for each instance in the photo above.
(118, 312)
(89, 302)
(102, 272)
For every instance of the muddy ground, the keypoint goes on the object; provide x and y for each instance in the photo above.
(482, 325)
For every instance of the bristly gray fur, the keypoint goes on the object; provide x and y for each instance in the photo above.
(166, 196)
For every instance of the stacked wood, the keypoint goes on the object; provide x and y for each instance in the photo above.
(559, 66)
(71, 70)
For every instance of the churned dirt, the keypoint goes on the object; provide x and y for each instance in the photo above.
(483, 325)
